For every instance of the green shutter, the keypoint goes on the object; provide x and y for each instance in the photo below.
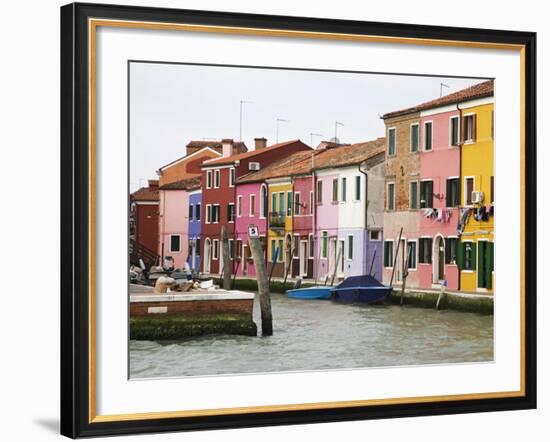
(448, 196)
(460, 255)
(474, 247)
(421, 250)
(447, 250)
(489, 263)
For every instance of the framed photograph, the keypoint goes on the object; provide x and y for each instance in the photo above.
(273, 220)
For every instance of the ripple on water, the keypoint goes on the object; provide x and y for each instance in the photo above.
(320, 335)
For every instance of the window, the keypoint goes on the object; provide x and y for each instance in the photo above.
(239, 249)
(426, 194)
(425, 250)
(469, 128)
(413, 195)
(452, 198)
(215, 249)
(492, 189)
(344, 188)
(311, 246)
(263, 202)
(391, 141)
(282, 204)
(374, 235)
(411, 254)
(197, 247)
(175, 243)
(415, 136)
(469, 188)
(388, 253)
(281, 251)
(311, 202)
(240, 205)
(319, 192)
(208, 179)
(469, 256)
(252, 207)
(274, 202)
(450, 250)
(335, 190)
(357, 188)
(191, 212)
(217, 178)
(324, 245)
(296, 246)
(297, 203)
(350, 246)
(289, 204)
(216, 213)
(453, 131)
(232, 177)
(230, 212)
(231, 248)
(273, 249)
(198, 212)
(208, 214)
(391, 196)
(428, 136)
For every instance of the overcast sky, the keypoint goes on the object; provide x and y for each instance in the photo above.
(171, 104)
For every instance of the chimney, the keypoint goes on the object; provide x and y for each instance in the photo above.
(153, 184)
(227, 147)
(260, 143)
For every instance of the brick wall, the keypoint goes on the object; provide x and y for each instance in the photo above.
(195, 308)
(404, 166)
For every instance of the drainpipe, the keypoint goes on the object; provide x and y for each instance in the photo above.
(233, 268)
(365, 248)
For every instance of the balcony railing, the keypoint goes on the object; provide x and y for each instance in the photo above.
(276, 220)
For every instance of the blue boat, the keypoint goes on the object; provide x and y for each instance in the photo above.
(317, 292)
(364, 289)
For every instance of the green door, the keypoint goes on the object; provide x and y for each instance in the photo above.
(485, 264)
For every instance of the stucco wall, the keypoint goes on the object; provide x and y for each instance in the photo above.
(174, 220)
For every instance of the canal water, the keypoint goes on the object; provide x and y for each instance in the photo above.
(318, 335)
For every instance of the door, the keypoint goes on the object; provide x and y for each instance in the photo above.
(334, 256)
(401, 260)
(303, 258)
(440, 259)
(245, 260)
(193, 254)
(207, 256)
(484, 264)
(341, 258)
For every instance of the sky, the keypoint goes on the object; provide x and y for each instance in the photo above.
(171, 104)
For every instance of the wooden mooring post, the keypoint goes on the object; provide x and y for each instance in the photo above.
(226, 259)
(263, 285)
(405, 274)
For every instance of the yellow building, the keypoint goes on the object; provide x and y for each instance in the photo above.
(476, 250)
(280, 225)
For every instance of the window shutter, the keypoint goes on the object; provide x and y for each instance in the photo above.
(421, 250)
(430, 248)
(474, 127)
(430, 193)
(460, 255)
(474, 247)
(448, 202)
(447, 250)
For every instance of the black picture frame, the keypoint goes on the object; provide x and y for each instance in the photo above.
(75, 219)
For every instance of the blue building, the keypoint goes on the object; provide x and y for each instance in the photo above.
(194, 255)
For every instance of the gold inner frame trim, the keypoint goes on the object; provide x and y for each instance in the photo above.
(93, 24)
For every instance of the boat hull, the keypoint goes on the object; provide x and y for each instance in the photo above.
(368, 295)
(320, 292)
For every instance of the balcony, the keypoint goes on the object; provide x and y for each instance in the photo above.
(276, 221)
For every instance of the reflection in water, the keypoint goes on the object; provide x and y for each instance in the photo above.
(314, 335)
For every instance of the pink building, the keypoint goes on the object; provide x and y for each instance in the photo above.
(302, 225)
(251, 210)
(440, 180)
(174, 219)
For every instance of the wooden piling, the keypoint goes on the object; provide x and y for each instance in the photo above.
(263, 285)
(226, 259)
